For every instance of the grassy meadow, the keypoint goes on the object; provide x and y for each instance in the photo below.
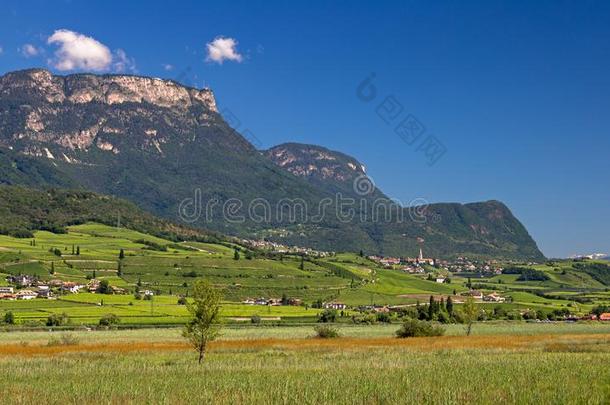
(511, 363)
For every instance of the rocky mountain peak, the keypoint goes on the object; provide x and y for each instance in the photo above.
(315, 161)
(108, 89)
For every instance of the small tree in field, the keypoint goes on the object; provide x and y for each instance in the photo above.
(9, 318)
(471, 313)
(205, 311)
(449, 305)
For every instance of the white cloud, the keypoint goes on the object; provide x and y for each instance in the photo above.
(123, 63)
(29, 50)
(221, 49)
(78, 51)
(1, 50)
(168, 67)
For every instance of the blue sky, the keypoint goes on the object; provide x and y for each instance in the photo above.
(517, 92)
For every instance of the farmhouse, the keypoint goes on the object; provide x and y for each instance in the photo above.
(93, 286)
(71, 287)
(440, 280)
(334, 305)
(6, 290)
(412, 269)
(26, 295)
(118, 290)
(274, 301)
(389, 261)
(55, 283)
(494, 297)
(44, 291)
(477, 295)
(605, 316)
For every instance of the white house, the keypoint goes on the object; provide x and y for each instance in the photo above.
(72, 287)
(493, 297)
(334, 305)
(44, 291)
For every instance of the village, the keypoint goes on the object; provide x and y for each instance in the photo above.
(421, 265)
(278, 248)
(27, 287)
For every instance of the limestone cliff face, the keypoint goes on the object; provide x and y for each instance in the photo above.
(333, 171)
(315, 161)
(108, 89)
(61, 117)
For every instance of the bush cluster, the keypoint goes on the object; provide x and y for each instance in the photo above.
(326, 332)
(416, 328)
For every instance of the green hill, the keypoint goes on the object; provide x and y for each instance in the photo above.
(24, 210)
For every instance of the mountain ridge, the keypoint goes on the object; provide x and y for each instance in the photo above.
(102, 134)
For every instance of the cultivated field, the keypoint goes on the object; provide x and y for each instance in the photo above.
(169, 269)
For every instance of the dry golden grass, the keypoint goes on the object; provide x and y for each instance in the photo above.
(507, 342)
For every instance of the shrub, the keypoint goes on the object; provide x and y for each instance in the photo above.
(68, 339)
(9, 318)
(328, 315)
(21, 233)
(383, 317)
(415, 328)
(526, 274)
(104, 287)
(57, 320)
(149, 245)
(514, 316)
(443, 317)
(364, 319)
(255, 319)
(182, 301)
(65, 339)
(409, 312)
(326, 332)
(55, 251)
(109, 320)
